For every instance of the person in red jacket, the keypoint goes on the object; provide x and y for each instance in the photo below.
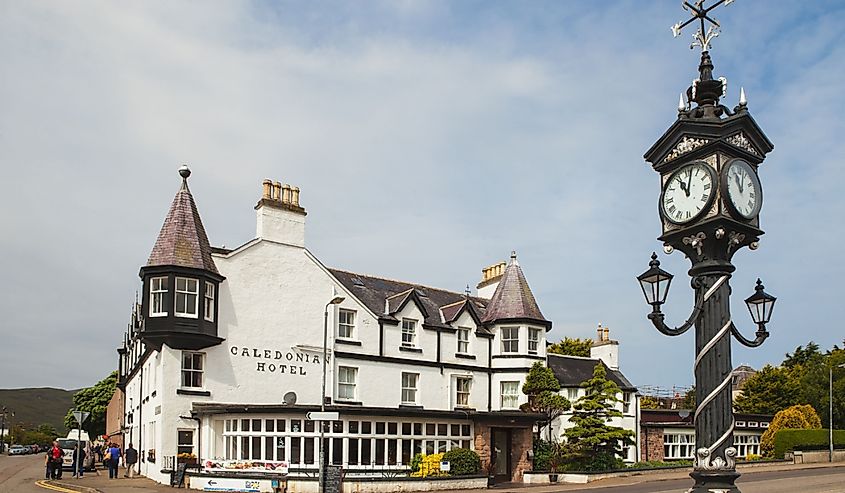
(54, 461)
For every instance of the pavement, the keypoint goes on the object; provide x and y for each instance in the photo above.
(26, 475)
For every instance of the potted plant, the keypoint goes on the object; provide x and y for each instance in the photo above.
(554, 463)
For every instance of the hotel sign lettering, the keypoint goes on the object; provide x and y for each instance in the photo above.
(273, 361)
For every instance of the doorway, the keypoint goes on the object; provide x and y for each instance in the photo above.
(500, 448)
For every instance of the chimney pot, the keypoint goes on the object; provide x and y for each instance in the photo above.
(607, 333)
(268, 190)
(286, 194)
(294, 198)
(277, 191)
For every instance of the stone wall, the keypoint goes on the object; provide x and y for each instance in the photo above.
(482, 444)
(521, 443)
(114, 418)
(651, 444)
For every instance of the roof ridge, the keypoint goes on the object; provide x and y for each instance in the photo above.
(415, 284)
(572, 356)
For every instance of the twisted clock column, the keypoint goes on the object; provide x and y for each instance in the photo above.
(714, 424)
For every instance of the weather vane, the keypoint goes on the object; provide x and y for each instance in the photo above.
(701, 37)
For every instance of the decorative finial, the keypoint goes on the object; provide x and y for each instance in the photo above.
(184, 172)
(654, 262)
(682, 105)
(759, 286)
(467, 291)
(705, 34)
(743, 101)
(513, 258)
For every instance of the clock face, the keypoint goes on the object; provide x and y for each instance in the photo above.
(688, 193)
(743, 189)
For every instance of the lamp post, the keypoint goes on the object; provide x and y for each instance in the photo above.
(830, 414)
(334, 301)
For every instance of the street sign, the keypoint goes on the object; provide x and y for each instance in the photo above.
(322, 416)
(81, 416)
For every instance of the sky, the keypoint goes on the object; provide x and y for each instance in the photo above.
(429, 138)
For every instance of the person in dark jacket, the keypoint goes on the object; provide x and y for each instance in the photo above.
(130, 457)
(55, 456)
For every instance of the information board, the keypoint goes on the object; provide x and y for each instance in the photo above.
(333, 479)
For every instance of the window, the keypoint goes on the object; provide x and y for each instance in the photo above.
(346, 378)
(209, 301)
(409, 332)
(533, 340)
(185, 443)
(572, 395)
(409, 387)
(510, 339)
(186, 297)
(752, 424)
(192, 368)
(462, 387)
(158, 293)
(463, 340)
(764, 424)
(346, 324)
(746, 445)
(510, 395)
(678, 446)
(626, 402)
(740, 423)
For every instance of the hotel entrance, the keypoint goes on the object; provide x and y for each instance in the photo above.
(500, 447)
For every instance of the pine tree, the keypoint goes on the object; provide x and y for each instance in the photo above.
(542, 387)
(592, 443)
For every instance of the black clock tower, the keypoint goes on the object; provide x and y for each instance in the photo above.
(709, 208)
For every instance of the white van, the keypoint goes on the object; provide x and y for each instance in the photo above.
(68, 443)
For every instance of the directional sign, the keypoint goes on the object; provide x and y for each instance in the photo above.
(322, 416)
(81, 416)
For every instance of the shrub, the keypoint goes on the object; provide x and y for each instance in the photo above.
(543, 452)
(791, 440)
(799, 417)
(462, 461)
(416, 461)
(429, 466)
(653, 464)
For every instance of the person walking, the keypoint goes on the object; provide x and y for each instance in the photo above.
(54, 461)
(114, 456)
(80, 462)
(130, 457)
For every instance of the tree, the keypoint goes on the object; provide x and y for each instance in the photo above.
(768, 391)
(803, 356)
(689, 399)
(799, 417)
(542, 387)
(93, 400)
(570, 346)
(650, 402)
(592, 443)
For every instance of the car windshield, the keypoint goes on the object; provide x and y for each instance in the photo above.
(67, 444)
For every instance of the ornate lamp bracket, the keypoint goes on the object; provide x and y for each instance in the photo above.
(657, 317)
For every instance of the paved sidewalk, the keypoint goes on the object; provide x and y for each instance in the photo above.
(91, 483)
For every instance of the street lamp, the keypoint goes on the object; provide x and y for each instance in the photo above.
(830, 414)
(655, 283)
(334, 301)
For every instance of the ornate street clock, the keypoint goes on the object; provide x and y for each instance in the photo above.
(709, 207)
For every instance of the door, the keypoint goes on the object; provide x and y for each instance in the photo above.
(500, 454)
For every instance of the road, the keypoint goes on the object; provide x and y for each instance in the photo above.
(19, 474)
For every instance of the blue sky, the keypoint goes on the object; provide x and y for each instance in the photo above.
(429, 140)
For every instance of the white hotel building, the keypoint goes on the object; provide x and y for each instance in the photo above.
(223, 357)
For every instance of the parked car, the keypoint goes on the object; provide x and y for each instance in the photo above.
(18, 450)
(34, 448)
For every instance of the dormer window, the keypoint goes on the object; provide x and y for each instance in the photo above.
(187, 295)
(209, 301)
(463, 340)
(533, 340)
(346, 324)
(409, 332)
(510, 339)
(158, 293)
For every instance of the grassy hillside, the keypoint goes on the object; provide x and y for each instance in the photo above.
(38, 406)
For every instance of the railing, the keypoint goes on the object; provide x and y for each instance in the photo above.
(168, 463)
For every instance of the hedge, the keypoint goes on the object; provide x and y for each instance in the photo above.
(788, 440)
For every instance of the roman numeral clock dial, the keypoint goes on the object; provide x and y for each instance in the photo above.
(688, 193)
(742, 187)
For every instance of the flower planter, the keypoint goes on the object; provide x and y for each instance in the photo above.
(553, 477)
(191, 461)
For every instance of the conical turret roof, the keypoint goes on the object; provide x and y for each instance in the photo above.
(182, 240)
(513, 299)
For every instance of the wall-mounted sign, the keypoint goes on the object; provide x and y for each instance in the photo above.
(274, 361)
(228, 484)
(445, 466)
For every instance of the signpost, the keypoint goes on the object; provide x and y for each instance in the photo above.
(80, 417)
(322, 416)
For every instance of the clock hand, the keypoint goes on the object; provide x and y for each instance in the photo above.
(689, 182)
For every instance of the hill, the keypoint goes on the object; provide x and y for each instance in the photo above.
(38, 406)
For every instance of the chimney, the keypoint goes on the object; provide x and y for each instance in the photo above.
(279, 217)
(490, 277)
(605, 349)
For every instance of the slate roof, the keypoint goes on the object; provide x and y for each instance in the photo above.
(570, 371)
(513, 299)
(373, 291)
(182, 240)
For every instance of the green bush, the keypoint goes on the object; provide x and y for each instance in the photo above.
(415, 462)
(543, 452)
(462, 461)
(654, 464)
(788, 440)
